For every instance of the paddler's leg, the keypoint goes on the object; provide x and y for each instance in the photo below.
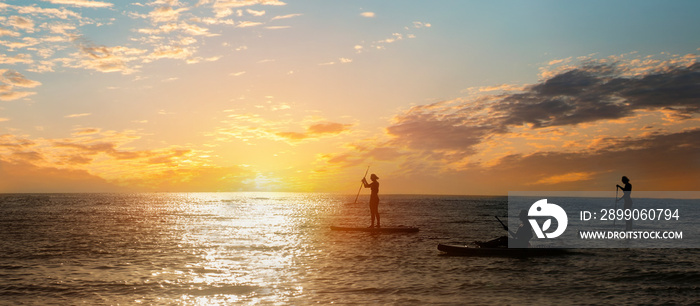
(374, 210)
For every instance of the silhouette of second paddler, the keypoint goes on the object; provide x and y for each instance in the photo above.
(627, 198)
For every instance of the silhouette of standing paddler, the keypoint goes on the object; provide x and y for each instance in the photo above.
(373, 198)
(627, 197)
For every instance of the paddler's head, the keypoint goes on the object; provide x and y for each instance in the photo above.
(523, 215)
(373, 177)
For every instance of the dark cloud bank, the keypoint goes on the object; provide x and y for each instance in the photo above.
(589, 93)
(598, 92)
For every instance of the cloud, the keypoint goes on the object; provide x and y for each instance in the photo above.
(106, 59)
(60, 13)
(15, 78)
(24, 43)
(183, 27)
(171, 52)
(598, 91)
(247, 24)
(382, 44)
(81, 3)
(6, 95)
(86, 153)
(77, 115)
(252, 128)
(255, 13)
(395, 37)
(22, 23)
(9, 79)
(195, 30)
(7, 32)
(244, 3)
(342, 60)
(285, 16)
(418, 25)
(293, 135)
(442, 126)
(175, 32)
(223, 8)
(316, 130)
(100, 152)
(277, 27)
(657, 162)
(568, 177)
(60, 28)
(25, 177)
(587, 94)
(502, 87)
(165, 13)
(579, 126)
(367, 14)
(87, 131)
(45, 38)
(94, 160)
(327, 128)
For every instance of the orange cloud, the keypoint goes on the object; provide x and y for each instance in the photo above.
(578, 129)
(568, 177)
(95, 160)
(25, 177)
(316, 130)
(328, 127)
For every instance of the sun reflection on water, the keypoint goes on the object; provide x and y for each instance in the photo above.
(243, 246)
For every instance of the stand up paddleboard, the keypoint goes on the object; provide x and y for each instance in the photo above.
(459, 250)
(376, 229)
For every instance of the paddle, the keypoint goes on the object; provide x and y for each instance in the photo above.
(616, 199)
(499, 221)
(361, 184)
(505, 227)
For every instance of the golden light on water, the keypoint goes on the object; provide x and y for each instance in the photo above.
(241, 248)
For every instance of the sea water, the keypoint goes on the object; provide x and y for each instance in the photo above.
(277, 248)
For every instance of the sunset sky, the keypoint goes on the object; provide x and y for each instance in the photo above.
(437, 97)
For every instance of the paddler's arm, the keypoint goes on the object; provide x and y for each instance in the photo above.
(515, 235)
(364, 182)
(505, 227)
(511, 233)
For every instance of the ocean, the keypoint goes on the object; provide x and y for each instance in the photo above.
(277, 248)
